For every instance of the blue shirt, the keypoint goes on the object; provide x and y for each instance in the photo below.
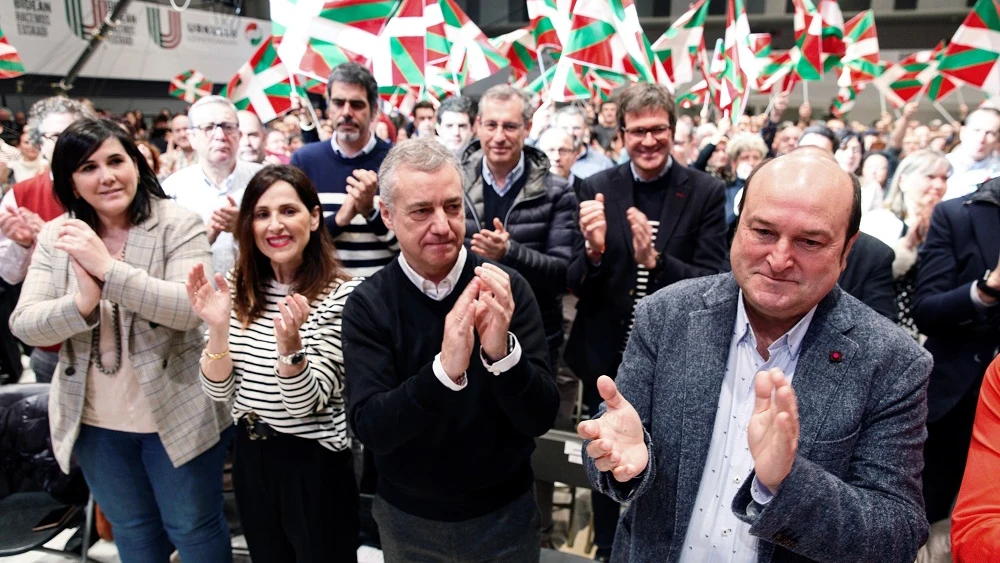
(715, 534)
(512, 178)
(590, 163)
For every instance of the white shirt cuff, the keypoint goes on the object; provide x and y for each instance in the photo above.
(443, 377)
(761, 494)
(978, 301)
(505, 363)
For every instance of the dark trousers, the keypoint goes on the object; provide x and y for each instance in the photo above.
(507, 535)
(945, 453)
(606, 510)
(298, 501)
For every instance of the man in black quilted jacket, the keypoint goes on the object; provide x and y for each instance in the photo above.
(517, 212)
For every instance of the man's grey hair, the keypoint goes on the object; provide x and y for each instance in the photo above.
(571, 111)
(745, 142)
(208, 101)
(457, 104)
(419, 154)
(504, 92)
(50, 106)
(561, 133)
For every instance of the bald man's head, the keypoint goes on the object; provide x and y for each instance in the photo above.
(798, 220)
(806, 164)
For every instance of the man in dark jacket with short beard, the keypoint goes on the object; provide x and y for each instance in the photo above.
(517, 212)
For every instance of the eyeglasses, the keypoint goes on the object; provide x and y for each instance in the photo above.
(356, 105)
(208, 129)
(640, 133)
(51, 136)
(508, 127)
(563, 151)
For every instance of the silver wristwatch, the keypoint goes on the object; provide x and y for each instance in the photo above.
(293, 359)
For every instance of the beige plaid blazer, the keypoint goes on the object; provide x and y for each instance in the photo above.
(165, 340)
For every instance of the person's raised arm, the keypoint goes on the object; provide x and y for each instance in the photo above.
(899, 128)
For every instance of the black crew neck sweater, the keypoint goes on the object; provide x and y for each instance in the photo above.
(442, 454)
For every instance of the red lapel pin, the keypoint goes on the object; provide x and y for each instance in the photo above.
(836, 356)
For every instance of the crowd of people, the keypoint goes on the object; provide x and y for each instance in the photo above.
(782, 327)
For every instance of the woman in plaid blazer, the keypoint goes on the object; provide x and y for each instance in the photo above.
(107, 281)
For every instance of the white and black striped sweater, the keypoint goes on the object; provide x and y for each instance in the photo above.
(309, 405)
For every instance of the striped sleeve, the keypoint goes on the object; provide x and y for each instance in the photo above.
(221, 391)
(323, 378)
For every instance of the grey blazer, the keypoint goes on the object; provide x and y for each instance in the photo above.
(165, 341)
(854, 491)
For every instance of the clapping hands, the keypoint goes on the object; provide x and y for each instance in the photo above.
(486, 306)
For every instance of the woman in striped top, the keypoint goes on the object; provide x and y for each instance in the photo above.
(274, 349)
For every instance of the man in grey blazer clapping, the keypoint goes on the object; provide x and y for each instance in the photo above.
(766, 415)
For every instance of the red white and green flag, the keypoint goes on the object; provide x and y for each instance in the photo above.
(550, 22)
(973, 56)
(861, 59)
(605, 82)
(313, 36)
(311, 85)
(561, 83)
(678, 46)
(807, 55)
(440, 83)
(832, 35)
(773, 66)
(519, 48)
(734, 84)
(263, 84)
(712, 69)
(695, 96)
(398, 56)
(901, 83)
(190, 86)
(939, 86)
(470, 54)
(844, 102)
(606, 34)
(10, 61)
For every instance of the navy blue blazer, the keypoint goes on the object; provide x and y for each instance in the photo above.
(691, 238)
(962, 243)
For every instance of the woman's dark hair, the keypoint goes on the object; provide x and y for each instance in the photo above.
(75, 145)
(845, 135)
(319, 269)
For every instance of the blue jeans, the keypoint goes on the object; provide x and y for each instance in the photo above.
(153, 506)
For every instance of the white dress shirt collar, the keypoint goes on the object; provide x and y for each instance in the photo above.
(369, 146)
(439, 291)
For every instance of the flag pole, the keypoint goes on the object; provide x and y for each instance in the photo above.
(881, 99)
(958, 92)
(541, 67)
(943, 112)
(805, 91)
(770, 105)
(309, 106)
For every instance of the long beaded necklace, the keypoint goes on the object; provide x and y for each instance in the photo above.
(95, 339)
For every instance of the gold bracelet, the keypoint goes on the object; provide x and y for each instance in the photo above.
(210, 356)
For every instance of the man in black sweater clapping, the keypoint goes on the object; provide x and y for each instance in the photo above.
(448, 379)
